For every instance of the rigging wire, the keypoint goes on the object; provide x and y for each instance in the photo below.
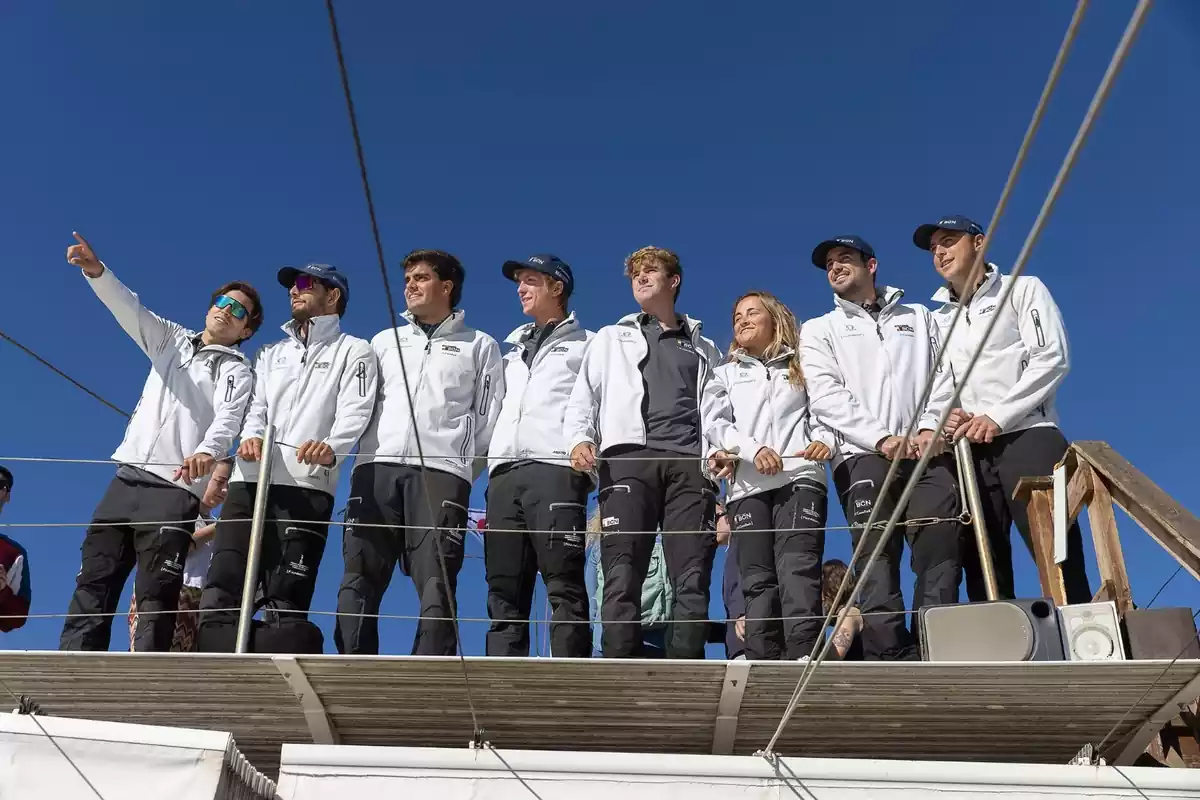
(54, 742)
(62, 374)
(477, 733)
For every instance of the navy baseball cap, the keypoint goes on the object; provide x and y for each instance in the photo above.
(821, 251)
(923, 236)
(325, 272)
(546, 264)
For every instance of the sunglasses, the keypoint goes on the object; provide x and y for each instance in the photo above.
(237, 309)
(305, 282)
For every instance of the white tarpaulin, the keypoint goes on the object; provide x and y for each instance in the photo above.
(53, 757)
(324, 772)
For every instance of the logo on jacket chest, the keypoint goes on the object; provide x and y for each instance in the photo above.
(905, 329)
(451, 348)
(559, 349)
(321, 365)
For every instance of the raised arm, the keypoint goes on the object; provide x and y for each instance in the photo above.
(150, 331)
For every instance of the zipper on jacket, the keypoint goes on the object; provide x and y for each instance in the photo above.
(229, 389)
(1037, 327)
(361, 373)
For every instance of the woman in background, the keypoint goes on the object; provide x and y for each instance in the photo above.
(772, 453)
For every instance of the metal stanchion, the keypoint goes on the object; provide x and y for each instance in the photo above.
(256, 534)
(966, 465)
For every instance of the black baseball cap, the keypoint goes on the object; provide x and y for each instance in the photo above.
(923, 236)
(325, 272)
(821, 251)
(546, 264)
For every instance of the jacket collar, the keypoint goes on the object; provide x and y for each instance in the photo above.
(324, 328)
(518, 336)
(192, 336)
(946, 295)
(634, 321)
(743, 356)
(451, 324)
(887, 295)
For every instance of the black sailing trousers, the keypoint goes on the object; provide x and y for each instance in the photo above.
(934, 548)
(113, 543)
(383, 495)
(536, 519)
(293, 544)
(999, 464)
(636, 497)
(780, 541)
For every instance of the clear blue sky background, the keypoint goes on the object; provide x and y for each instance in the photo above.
(198, 143)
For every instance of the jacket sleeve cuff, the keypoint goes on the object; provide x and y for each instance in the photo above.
(1001, 416)
(748, 448)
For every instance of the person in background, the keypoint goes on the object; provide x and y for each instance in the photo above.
(537, 504)
(848, 622)
(1008, 412)
(189, 412)
(316, 386)
(425, 446)
(195, 568)
(657, 599)
(866, 364)
(15, 591)
(635, 413)
(755, 413)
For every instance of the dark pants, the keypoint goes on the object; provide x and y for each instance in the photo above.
(636, 497)
(113, 543)
(934, 548)
(999, 464)
(780, 568)
(393, 494)
(291, 555)
(546, 506)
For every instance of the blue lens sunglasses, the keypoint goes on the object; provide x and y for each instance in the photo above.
(237, 309)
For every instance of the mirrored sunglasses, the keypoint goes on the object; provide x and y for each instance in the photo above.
(305, 282)
(237, 309)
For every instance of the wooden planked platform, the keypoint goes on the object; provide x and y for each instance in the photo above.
(1025, 712)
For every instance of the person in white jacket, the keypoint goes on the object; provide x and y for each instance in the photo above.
(635, 409)
(186, 419)
(440, 393)
(1007, 409)
(316, 386)
(866, 364)
(537, 504)
(773, 454)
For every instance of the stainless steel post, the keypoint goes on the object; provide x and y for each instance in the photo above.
(966, 462)
(256, 534)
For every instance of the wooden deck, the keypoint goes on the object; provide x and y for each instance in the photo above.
(1026, 712)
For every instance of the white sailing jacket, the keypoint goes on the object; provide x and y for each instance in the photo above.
(865, 377)
(605, 408)
(194, 398)
(457, 381)
(1026, 358)
(322, 389)
(530, 426)
(749, 405)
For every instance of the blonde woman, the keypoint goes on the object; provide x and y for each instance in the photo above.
(756, 420)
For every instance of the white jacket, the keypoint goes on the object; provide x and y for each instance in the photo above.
(323, 390)
(457, 382)
(865, 377)
(1026, 357)
(530, 426)
(749, 405)
(605, 406)
(194, 398)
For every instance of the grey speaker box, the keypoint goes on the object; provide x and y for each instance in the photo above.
(1091, 632)
(1161, 633)
(1003, 630)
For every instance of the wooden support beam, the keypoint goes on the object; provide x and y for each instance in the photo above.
(1109, 557)
(1038, 493)
(1175, 528)
(1104, 593)
(1079, 491)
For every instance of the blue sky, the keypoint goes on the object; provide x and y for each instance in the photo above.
(194, 144)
